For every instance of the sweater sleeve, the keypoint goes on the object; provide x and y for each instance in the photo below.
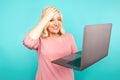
(73, 44)
(31, 43)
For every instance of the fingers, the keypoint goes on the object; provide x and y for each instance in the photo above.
(51, 11)
(48, 14)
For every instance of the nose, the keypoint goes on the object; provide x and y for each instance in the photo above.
(56, 23)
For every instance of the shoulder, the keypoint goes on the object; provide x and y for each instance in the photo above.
(70, 36)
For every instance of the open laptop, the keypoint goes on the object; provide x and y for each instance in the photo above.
(95, 47)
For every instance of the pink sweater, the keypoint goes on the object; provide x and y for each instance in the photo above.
(50, 49)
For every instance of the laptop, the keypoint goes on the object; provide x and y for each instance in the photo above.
(95, 47)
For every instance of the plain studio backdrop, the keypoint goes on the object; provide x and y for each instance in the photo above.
(18, 17)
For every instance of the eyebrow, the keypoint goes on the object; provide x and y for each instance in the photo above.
(56, 18)
(59, 17)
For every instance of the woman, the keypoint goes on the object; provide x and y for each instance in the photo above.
(51, 42)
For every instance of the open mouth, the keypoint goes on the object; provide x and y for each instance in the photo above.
(55, 28)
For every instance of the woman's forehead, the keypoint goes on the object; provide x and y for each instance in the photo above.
(57, 16)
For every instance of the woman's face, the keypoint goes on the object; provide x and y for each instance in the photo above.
(55, 24)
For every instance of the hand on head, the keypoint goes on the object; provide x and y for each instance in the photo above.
(49, 13)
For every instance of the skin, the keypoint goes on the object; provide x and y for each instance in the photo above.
(48, 15)
(54, 26)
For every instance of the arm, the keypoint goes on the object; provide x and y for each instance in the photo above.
(31, 43)
(37, 30)
(32, 40)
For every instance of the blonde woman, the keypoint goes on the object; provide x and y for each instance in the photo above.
(51, 42)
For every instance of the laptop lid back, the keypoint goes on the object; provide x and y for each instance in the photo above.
(95, 44)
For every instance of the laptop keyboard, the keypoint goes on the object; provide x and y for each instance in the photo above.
(75, 62)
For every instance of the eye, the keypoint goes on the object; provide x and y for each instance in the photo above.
(59, 20)
(51, 20)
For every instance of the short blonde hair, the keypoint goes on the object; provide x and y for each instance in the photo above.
(44, 33)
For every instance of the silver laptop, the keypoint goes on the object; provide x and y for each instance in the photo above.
(95, 47)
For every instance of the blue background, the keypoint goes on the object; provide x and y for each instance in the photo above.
(18, 17)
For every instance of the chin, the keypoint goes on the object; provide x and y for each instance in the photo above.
(55, 31)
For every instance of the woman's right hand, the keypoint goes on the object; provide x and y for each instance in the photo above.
(48, 14)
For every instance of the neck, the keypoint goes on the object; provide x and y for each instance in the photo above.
(53, 35)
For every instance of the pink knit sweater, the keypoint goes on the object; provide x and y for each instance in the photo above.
(49, 49)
